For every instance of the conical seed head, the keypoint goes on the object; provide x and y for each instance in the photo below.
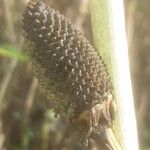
(65, 63)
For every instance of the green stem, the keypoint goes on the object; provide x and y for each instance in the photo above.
(110, 41)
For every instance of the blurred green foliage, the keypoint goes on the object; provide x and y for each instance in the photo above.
(138, 6)
(8, 50)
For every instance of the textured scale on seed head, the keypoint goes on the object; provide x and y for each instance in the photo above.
(72, 75)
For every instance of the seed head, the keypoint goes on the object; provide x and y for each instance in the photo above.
(68, 68)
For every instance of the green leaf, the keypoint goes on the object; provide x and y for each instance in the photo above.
(9, 50)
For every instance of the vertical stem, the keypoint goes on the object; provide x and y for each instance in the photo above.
(28, 106)
(7, 77)
(109, 36)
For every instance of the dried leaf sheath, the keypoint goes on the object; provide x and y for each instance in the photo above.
(65, 63)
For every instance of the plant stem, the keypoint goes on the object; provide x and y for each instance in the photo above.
(109, 38)
(28, 106)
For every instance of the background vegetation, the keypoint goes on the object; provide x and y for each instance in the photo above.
(26, 123)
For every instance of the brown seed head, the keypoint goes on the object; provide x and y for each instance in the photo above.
(70, 71)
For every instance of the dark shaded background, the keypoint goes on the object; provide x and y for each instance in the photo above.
(26, 122)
